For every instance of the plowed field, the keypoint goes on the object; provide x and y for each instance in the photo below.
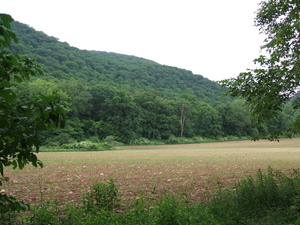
(194, 170)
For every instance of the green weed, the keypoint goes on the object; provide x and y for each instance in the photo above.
(271, 193)
(47, 212)
(103, 196)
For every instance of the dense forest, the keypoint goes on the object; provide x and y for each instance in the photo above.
(131, 100)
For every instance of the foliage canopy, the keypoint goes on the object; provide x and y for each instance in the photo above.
(276, 81)
(63, 62)
(21, 122)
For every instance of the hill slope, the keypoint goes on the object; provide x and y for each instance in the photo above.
(61, 61)
(130, 99)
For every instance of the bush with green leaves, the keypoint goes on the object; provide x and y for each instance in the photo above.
(111, 140)
(87, 145)
(47, 212)
(272, 193)
(183, 140)
(21, 122)
(146, 141)
(103, 196)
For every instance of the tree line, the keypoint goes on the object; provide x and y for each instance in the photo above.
(101, 111)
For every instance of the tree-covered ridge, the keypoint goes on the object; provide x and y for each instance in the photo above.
(131, 100)
(61, 61)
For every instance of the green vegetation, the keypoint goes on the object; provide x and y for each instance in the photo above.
(115, 99)
(21, 121)
(131, 98)
(270, 198)
(276, 80)
(63, 62)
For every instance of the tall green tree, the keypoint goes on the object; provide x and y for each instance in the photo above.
(80, 103)
(122, 115)
(158, 118)
(114, 113)
(186, 107)
(267, 88)
(208, 122)
(20, 122)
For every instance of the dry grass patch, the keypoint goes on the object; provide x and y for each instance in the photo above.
(193, 170)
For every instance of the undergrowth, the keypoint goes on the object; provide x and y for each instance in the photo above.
(184, 140)
(271, 197)
(110, 143)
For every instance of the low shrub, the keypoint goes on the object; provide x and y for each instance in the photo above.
(183, 140)
(271, 193)
(47, 212)
(146, 141)
(140, 141)
(112, 141)
(87, 145)
(179, 140)
(103, 196)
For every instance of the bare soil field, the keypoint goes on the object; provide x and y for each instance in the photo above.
(194, 170)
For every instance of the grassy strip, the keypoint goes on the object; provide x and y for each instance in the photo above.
(271, 198)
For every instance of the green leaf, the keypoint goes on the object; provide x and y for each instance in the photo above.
(8, 95)
(14, 164)
(33, 159)
(1, 169)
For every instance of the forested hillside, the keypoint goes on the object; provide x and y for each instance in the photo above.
(61, 61)
(130, 99)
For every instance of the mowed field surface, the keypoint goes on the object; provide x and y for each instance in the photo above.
(194, 170)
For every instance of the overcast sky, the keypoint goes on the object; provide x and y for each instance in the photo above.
(216, 39)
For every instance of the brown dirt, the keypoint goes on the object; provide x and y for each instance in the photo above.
(195, 170)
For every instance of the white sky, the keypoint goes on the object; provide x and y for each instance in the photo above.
(214, 38)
